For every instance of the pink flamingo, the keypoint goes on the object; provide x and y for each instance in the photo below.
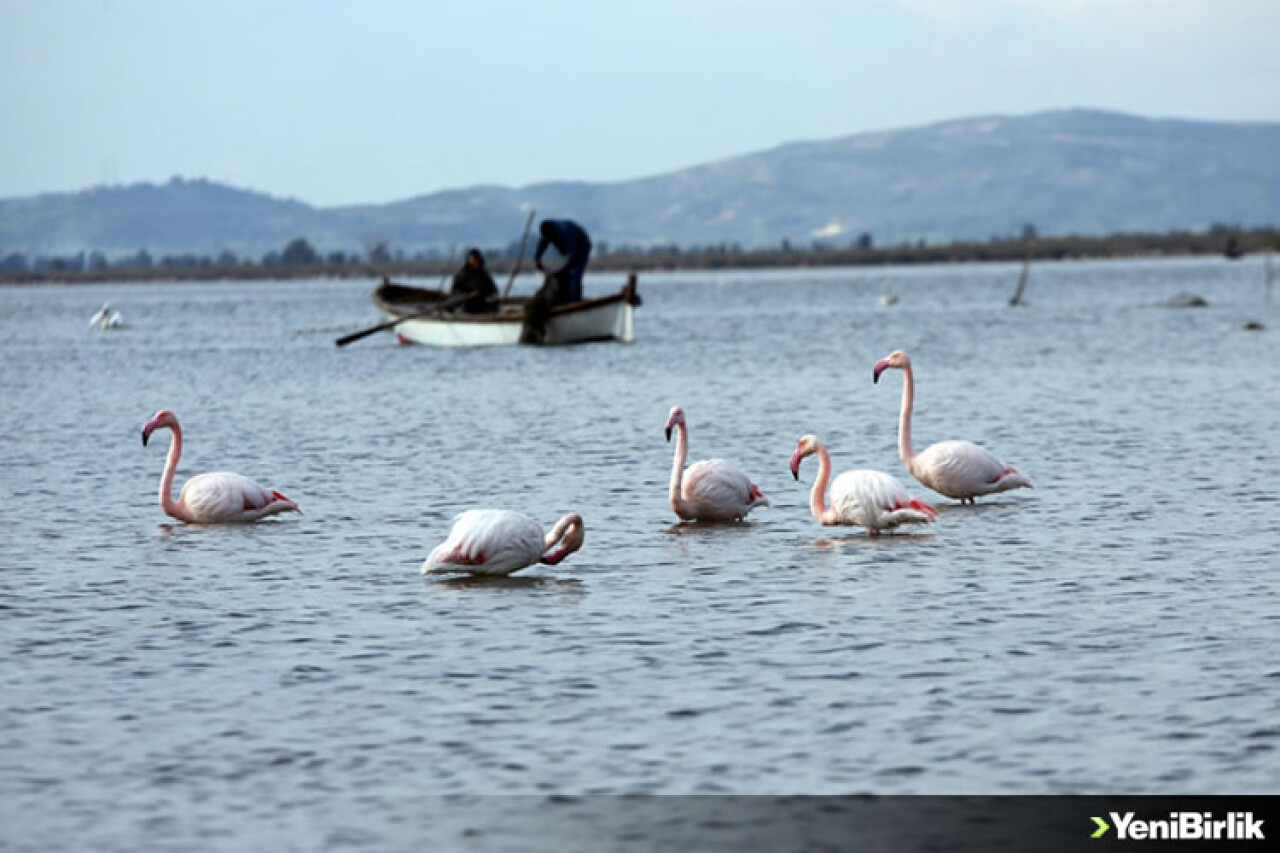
(211, 498)
(711, 490)
(957, 469)
(870, 499)
(499, 542)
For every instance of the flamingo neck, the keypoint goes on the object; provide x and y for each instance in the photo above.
(677, 470)
(167, 503)
(905, 453)
(556, 532)
(818, 495)
(553, 557)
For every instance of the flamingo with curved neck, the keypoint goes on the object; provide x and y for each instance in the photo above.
(710, 490)
(210, 498)
(568, 533)
(870, 499)
(957, 469)
(500, 542)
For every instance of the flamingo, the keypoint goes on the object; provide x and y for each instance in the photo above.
(870, 499)
(211, 498)
(957, 469)
(711, 490)
(106, 318)
(499, 542)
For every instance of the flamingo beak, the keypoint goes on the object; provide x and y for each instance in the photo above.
(145, 435)
(795, 465)
(668, 433)
(880, 367)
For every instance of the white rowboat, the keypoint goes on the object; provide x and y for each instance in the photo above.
(608, 318)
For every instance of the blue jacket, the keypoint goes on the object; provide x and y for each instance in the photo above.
(568, 237)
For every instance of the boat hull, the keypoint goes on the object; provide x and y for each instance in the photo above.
(604, 323)
(610, 318)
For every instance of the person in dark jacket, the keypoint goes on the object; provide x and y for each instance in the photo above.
(572, 245)
(474, 282)
(562, 254)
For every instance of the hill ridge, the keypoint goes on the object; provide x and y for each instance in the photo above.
(1065, 171)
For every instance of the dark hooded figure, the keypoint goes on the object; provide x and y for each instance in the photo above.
(562, 254)
(573, 247)
(474, 281)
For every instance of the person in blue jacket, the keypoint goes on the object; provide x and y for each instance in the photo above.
(562, 254)
(573, 247)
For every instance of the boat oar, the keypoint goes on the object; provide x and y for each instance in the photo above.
(519, 254)
(448, 266)
(364, 333)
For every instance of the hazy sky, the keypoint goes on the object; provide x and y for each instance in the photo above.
(379, 100)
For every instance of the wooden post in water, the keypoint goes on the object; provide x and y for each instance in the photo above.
(1016, 300)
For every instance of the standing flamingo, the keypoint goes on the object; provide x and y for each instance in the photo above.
(711, 490)
(870, 499)
(211, 498)
(957, 469)
(499, 542)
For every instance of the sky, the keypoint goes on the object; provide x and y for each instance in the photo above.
(371, 101)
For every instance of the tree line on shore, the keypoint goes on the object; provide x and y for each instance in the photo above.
(299, 259)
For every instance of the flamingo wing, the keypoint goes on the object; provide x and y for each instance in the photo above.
(959, 469)
(718, 490)
(223, 496)
(488, 541)
(876, 500)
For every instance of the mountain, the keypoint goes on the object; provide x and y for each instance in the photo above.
(1074, 171)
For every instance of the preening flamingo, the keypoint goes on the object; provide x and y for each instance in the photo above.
(106, 318)
(711, 490)
(870, 499)
(211, 498)
(499, 542)
(957, 469)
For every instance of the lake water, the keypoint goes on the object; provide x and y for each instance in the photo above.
(298, 682)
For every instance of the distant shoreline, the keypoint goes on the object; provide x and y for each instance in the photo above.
(1231, 243)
